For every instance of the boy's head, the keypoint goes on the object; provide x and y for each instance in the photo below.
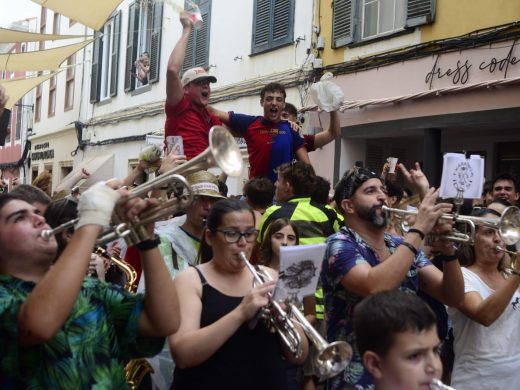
(396, 335)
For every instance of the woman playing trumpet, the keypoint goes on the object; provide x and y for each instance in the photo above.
(487, 339)
(214, 346)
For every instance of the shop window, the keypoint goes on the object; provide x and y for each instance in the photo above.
(273, 24)
(143, 44)
(508, 157)
(105, 60)
(197, 50)
(355, 21)
(69, 82)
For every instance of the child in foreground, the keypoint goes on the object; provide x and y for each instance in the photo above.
(396, 334)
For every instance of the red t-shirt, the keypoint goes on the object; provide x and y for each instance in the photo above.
(192, 123)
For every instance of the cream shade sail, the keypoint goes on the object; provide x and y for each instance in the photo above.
(91, 13)
(17, 88)
(39, 60)
(12, 36)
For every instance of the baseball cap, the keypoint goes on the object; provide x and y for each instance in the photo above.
(196, 74)
(204, 183)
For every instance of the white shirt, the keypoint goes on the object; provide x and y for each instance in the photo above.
(486, 357)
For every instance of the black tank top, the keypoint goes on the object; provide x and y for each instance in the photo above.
(249, 359)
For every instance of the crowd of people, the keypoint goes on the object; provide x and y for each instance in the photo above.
(176, 298)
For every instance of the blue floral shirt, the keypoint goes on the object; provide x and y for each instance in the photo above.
(345, 250)
(88, 350)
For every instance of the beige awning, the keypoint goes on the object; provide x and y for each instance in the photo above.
(100, 167)
(17, 88)
(39, 60)
(91, 13)
(12, 36)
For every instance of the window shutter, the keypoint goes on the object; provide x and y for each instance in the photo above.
(95, 77)
(131, 46)
(261, 25)
(115, 54)
(420, 12)
(197, 50)
(342, 23)
(155, 47)
(283, 22)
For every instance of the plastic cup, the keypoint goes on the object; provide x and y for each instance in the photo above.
(392, 161)
(175, 142)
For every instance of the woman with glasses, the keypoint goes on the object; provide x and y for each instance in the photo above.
(215, 346)
(485, 326)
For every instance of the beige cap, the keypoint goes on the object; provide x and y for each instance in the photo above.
(196, 74)
(204, 183)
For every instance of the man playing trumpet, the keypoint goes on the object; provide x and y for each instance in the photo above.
(61, 330)
(362, 259)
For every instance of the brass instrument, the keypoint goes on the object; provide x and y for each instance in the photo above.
(332, 358)
(508, 225)
(223, 152)
(128, 270)
(135, 371)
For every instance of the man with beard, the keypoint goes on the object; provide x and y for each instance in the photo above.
(362, 259)
(187, 98)
(270, 140)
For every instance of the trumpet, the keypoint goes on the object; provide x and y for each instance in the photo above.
(332, 358)
(223, 152)
(508, 225)
(436, 384)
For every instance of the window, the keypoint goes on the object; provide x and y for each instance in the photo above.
(52, 96)
(105, 61)
(69, 82)
(38, 104)
(8, 133)
(273, 24)
(358, 20)
(43, 23)
(19, 120)
(144, 39)
(197, 50)
(56, 24)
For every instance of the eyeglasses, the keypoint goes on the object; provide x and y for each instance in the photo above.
(200, 82)
(234, 236)
(355, 178)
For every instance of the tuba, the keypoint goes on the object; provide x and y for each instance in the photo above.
(332, 358)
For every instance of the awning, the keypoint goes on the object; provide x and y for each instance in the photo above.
(100, 167)
(39, 60)
(12, 36)
(17, 88)
(91, 13)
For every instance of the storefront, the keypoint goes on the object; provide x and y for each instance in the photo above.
(419, 109)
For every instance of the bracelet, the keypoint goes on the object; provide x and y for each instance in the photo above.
(411, 247)
(419, 232)
(447, 258)
(515, 272)
(148, 244)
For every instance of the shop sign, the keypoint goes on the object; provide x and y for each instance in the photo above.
(42, 152)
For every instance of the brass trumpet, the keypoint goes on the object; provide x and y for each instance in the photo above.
(223, 152)
(508, 225)
(332, 358)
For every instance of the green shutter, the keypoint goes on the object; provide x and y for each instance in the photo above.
(342, 23)
(115, 54)
(420, 12)
(131, 46)
(95, 77)
(273, 24)
(155, 47)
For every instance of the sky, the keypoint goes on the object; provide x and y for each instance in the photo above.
(11, 11)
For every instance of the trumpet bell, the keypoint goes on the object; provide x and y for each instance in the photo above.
(510, 225)
(225, 151)
(333, 359)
